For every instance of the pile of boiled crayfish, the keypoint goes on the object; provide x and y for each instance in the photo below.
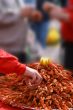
(55, 90)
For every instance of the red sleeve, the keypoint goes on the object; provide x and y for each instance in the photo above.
(70, 12)
(10, 64)
(71, 17)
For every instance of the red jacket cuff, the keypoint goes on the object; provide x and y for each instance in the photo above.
(21, 69)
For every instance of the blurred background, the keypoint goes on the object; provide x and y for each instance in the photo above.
(42, 38)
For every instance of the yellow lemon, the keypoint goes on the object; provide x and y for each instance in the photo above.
(53, 36)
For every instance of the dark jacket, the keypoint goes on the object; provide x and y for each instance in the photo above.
(39, 7)
(63, 3)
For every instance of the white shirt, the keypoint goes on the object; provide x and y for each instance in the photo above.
(13, 29)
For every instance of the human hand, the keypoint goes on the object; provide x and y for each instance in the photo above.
(32, 77)
(47, 6)
(36, 16)
(26, 12)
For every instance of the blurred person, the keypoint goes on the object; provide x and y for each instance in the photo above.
(10, 64)
(65, 15)
(41, 21)
(13, 29)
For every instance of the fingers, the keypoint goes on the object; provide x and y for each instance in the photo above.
(26, 12)
(32, 77)
(37, 16)
(37, 80)
(28, 83)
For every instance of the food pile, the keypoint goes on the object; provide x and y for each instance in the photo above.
(55, 90)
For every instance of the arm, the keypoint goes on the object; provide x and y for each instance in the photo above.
(56, 11)
(60, 14)
(10, 64)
